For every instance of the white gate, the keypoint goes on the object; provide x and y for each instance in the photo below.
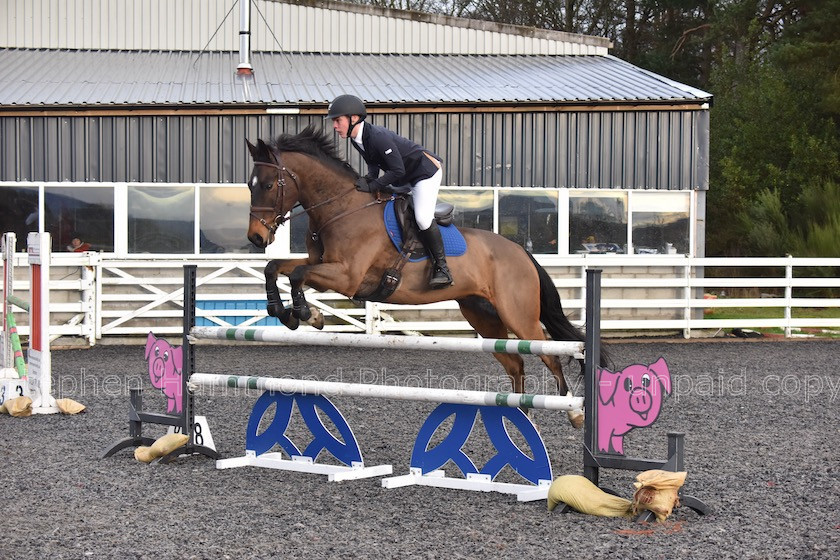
(94, 296)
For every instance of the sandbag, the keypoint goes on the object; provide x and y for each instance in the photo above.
(658, 491)
(164, 445)
(583, 496)
(69, 406)
(144, 454)
(19, 407)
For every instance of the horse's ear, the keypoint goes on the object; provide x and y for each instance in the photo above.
(252, 149)
(265, 152)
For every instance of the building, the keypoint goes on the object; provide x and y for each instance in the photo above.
(123, 124)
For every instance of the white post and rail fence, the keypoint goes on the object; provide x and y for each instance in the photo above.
(95, 298)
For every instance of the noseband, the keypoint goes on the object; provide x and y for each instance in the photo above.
(279, 197)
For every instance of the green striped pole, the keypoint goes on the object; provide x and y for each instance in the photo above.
(20, 365)
(282, 335)
(396, 392)
(22, 303)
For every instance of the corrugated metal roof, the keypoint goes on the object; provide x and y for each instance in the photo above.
(73, 78)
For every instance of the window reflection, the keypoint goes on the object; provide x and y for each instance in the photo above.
(80, 218)
(223, 220)
(661, 223)
(529, 218)
(161, 219)
(473, 208)
(19, 212)
(597, 222)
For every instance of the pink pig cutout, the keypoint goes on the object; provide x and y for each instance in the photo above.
(630, 398)
(165, 364)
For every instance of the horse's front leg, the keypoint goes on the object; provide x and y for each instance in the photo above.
(274, 305)
(336, 276)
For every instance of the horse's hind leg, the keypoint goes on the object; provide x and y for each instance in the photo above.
(483, 318)
(527, 326)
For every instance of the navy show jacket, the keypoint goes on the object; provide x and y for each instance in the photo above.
(403, 161)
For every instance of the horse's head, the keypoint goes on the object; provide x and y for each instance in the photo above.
(272, 195)
(319, 177)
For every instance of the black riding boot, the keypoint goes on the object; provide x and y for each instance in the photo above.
(441, 277)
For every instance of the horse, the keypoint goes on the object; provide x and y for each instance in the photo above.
(499, 287)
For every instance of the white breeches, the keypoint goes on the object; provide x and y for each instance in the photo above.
(425, 194)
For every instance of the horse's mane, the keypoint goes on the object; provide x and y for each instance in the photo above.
(317, 144)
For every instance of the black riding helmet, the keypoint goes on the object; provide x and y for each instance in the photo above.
(347, 105)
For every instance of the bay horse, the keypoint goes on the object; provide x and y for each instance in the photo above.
(498, 286)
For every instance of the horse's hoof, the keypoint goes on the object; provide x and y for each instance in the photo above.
(317, 319)
(287, 318)
(303, 313)
(576, 418)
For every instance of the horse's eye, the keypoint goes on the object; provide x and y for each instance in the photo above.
(254, 181)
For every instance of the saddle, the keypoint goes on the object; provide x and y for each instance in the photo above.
(404, 213)
(412, 248)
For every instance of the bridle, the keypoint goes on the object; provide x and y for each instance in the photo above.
(280, 196)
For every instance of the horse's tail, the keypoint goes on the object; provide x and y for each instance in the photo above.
(551, 313)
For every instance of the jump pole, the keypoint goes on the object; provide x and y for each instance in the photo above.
(38, 383)
(13, 376)
(9, 240)
(335, 389)
(390, 342)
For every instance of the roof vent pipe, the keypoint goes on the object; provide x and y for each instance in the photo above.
(244, 68)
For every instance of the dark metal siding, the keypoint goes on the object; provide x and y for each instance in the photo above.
(665, 150)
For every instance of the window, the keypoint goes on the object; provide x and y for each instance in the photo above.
(19, 212)
(473, 208)
(85, 214)
(223, 219)
(213, 219)
(597, 222)
(529, 218)
(161, 219)
(661, 223)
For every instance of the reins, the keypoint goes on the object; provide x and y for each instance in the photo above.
(316, 234)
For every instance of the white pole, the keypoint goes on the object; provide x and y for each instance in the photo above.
(8, 290)
(335, 389)
(280, 334)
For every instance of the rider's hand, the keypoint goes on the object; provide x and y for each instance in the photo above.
(363, 185)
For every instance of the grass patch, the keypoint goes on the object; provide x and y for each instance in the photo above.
(778, 313)
(771, 312)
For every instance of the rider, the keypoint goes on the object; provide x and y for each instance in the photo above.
(404, 163)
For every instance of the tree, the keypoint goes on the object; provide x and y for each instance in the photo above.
(773, 67)
(775, 141)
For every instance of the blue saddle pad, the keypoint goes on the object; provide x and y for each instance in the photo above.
(454, 243)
